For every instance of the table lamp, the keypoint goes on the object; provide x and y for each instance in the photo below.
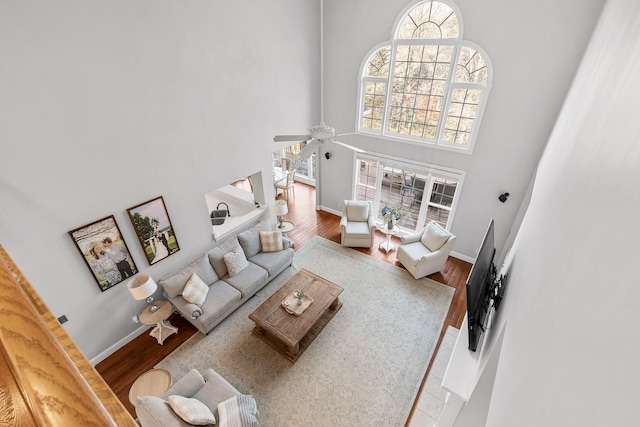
(280, 208)
(143, 287)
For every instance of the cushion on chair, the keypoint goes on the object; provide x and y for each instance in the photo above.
(434, 236)
(358, 230)
(357, 210)
(191, 410)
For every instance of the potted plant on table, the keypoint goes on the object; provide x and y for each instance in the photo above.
(390, 215)
(299, 295)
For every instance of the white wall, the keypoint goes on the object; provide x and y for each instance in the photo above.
(107, 104)
(535, 48)
(570, 351)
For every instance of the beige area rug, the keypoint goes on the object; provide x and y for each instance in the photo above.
(365, 367)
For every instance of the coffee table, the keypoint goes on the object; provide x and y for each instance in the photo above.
(291, 334)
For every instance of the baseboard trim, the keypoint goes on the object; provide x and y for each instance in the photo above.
(117, 345)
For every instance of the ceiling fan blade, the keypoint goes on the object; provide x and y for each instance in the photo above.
(309, 149)
(299, 138)
(350, 147)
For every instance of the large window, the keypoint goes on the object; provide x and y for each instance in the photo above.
(428, 85)
(420, 192)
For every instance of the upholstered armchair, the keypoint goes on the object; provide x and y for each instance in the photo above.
(425, 252)
(357, 226)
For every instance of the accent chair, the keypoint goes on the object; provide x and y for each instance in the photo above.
(426, 252)
(357, 225)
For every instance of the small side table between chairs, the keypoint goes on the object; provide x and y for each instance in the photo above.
(159, 318)
(388, 245)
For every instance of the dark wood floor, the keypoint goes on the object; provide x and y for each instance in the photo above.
(122, 368)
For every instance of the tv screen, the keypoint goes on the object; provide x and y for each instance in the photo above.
(479, 285)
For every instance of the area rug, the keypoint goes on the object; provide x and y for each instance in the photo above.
(365, 367)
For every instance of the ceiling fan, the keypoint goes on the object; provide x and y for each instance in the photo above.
(316, 136)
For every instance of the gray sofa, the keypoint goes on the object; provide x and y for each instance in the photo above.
(226, 292)
(209, 388)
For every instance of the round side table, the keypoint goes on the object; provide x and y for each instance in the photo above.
(159, 318)
(388, 245)
(152, 383)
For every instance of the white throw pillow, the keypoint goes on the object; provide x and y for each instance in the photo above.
(195, 290)
(357, 210)
(191, 410)
(271, 241)
(240, 410)
(434, 236)
(235, 261)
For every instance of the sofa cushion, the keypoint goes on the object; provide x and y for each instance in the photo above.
(273, 262)
(174, 284)
(187, 385)
(271, 241)
(357, 210)
(154, 411)
(249, 280)
(235, 261)
(216, 255)
(240, 410)
(220, 299)
(250, 239)
(195, 291)
(434, 236)
(191, 410)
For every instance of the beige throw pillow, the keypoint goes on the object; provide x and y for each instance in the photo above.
(195, 290)
(357, 210)
(191, 410)
(271, 241)
(235, 261)
(434, 236)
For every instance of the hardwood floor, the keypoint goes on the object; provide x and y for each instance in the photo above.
(122, 368)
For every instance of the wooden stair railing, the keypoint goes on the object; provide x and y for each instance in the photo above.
(45, 380)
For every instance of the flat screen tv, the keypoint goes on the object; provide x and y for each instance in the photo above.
(480, 284)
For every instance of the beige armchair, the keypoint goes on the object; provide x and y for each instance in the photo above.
(357, 226)
(426, 252)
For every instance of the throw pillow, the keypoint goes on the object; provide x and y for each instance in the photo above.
(271, 241)
(235, 261)
(195, 291)
(191, 410)
(357, 210)
(240, 410)
(434, 236)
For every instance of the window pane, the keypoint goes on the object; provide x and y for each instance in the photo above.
(373, 105)
(366, 182)
(378, 64)
(429, 20)
(461, 116)
(418, 89)
(471, 66)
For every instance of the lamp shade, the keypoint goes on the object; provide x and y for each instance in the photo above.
(280, 208)
(142, 287)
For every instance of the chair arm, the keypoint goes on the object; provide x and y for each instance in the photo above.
(186, 307)
(410, 238)
(286, 243)
(343, 223)
(426, 258)
(372, 224)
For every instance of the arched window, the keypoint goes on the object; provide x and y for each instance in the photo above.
(428, 85)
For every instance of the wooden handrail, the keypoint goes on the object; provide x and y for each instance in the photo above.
(45, 380)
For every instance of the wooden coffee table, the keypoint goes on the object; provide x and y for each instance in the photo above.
(289, 334)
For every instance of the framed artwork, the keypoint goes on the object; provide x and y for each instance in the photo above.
(153, 227)
(105, 252)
